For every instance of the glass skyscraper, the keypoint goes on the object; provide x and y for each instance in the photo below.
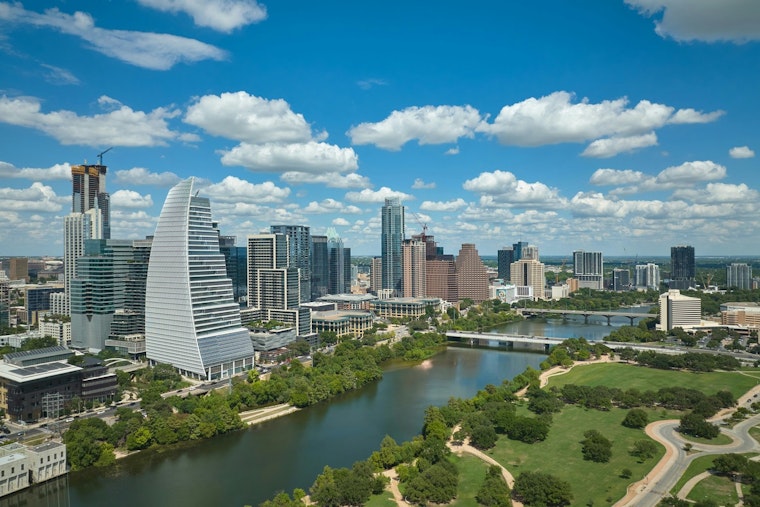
(392, 236)
(191, 319)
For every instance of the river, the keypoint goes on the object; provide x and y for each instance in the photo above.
(250, 466)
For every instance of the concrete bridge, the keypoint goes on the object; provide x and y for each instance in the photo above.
(586, 313)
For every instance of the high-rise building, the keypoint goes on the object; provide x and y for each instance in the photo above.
(682, 267)
(739, 276)
(588, 269)
(299, 243)
(647, 276)
(235, 260)
(18, 268)
(529, 252)
(504, 258)
(392, 235)
(376, 275)
(191, 319)
(517, 248)
(414, 262)
(529, 273)
(89, 192)
(441, 278)
(320, 268)
(5, 299)
(621, 279)
(272, 284)
(77, 228)
(472, 276)
(677, 310)
(339, 264)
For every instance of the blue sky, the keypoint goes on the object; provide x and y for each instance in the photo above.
(625, 126)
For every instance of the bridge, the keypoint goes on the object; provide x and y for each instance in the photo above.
(586, 313)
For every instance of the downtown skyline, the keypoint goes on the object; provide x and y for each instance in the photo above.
(623, 126)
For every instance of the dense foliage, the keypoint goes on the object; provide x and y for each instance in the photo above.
(596, 447)
(494, 492)
(537, 488)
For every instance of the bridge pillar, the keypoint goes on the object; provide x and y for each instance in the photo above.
(631, 319)
(547, 346)
(585, 318)
(608, 319)
(510, 345)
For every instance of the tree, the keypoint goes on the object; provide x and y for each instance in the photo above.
(483, 436)
(636, 418)
(596, 447)
(538, 488)
(494, 492)
(696, 426)
(644, 449)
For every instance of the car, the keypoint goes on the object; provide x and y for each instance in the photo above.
(69, 419)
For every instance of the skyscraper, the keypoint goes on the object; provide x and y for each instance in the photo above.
(339, 264)
(77, 228)
(392, 236)
(739, 276)
(191, 319)
(272, 284)
(472, 276)
(504, 257)
(588, 269)
(517, 248)
(529, 273)
(647, 276)
(414, 263)
(89, 192)
(682, 267)
(319, 267)
(376, 275)
(621, 279)
(299, 243)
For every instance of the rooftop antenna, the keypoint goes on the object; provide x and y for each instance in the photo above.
(100, 155)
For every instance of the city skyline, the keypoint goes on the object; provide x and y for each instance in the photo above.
(624, 127)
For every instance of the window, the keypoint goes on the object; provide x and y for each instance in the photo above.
(22, 468)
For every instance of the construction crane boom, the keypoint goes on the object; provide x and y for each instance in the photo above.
(100, 155)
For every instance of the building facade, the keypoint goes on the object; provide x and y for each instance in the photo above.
(621, 279)
(647, 276)
(683, 267)
(504, 258)
(588, 269)
(529, 273)
(392, 236)
(299, 255)
(414, 262)
(739, 276)
(320, 269)
(677, 310)
(191, 319)
(89, 193)
(472, 276)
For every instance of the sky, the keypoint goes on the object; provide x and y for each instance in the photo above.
(621, 126)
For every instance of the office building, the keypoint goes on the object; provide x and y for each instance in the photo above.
(741, 314)
(191, 319)
(392, 236)
(37, 300)
(5, 300)
(682, 268)
(529, 273)
(588, 269)
(517, 248)
(376, 275)
(299, 255)
(22, 466)
(320, 268)
(472, 277)
(677, 310)
(647, 276)
(504, 258)
(271, 283)
(18, 268)
(339, 264)
(739, 276)
(77, 228)
(235, 262)
(89, 193)
(414, 262)
(621, 279)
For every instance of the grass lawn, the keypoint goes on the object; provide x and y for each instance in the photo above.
(626, 376)
(384, 499)
(560, 454)
(721, 439)
(472, 472)
(696, 467)
(722, 490)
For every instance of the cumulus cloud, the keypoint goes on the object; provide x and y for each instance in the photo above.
(156, 51)
(37, 197)
(142, 176)
(377, 196)
(341, 222)
(427, 124)
(452, 151)
(232, 189)
(419, 184)
(330, 206)
(502, 188)
(691, 172)
(248, 118)
(333, 180)
(554, 119)
(741, 152)
(718, 193)
(611, 146)
(614, 177)
(121, 126)
(448, 206)
(220, 15)
(130, 199)
(311, 157)
(727, 20)
(55, 172)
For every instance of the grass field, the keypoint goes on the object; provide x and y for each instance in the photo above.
(721, 439)
(696, 467)
(560, 455)
(384, 499)
(472, 472)
(627, 376)
(722, 490)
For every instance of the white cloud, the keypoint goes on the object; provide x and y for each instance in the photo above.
(614, 177)
(157, 51)
(691, 172)
(309, 157)
(366, 84)
(249, 118)
(447, 206)
(419, 184)
(221, 15)
(499, 188)
(427, 124)
(377, 196)
(56, 172)
(38, 197)
(58, 76)
(341, 222)
(709, 21)
(496, 182)
(119, 127)
(741, 152)
(611, 146)
(130, 199)
(719, 193)
(554, 119)
(232, 189)
(330, 206)
(332, 180)
(452, 151)
(142, 176)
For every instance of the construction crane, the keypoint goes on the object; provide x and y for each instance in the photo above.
(100, 155)
(419, 221)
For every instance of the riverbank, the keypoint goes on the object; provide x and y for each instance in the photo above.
(261, 415)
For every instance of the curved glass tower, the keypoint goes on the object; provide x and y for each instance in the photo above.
(191, 319)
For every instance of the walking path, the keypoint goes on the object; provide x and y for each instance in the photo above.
(267, 413)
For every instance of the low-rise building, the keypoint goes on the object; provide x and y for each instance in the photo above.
(404, 307)
(741, 314)
(22, 466)
(342, 322)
